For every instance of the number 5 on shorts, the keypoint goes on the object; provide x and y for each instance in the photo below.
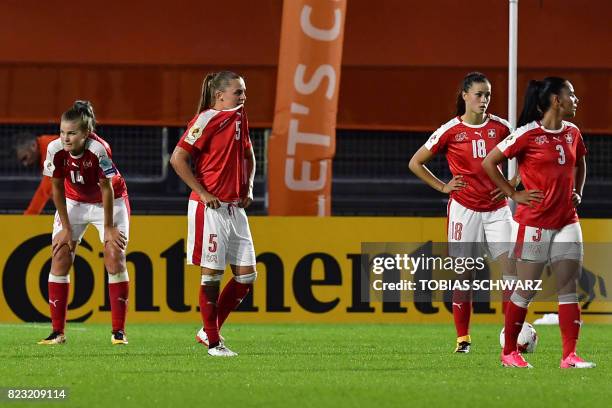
(212, 240)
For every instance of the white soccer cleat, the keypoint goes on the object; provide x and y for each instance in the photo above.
(202, 337)
(221, 351)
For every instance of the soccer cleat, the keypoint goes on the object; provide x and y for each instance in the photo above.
(202, 337)
(573, 361)
(221, 351)
(514, 359)
(54, 338)
(119, 337)
(463, 344)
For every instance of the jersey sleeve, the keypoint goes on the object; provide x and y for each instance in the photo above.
(53, 164)
(197, 132)
(438, 141)
(511, 146)
(106, 167)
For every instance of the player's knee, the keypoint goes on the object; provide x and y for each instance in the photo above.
(246, 279)
(62, 260)
(523, 299)
(114, 260)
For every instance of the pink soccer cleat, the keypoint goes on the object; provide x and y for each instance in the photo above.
(514, 359)
(573, 361)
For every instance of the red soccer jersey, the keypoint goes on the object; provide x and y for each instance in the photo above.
(466, 146)
(546, 161)
(217, 142)
(81, 174)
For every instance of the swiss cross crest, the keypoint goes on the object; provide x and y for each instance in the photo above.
(491, 133)
(569, 138)
(541, 140)
(460, 137)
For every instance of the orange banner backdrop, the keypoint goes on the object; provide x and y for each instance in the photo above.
(303, 140)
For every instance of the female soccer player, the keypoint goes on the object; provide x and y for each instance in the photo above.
(551, 156)
(217, 140)
(477, 211)
(87, 189)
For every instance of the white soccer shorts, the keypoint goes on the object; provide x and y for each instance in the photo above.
(81, 215)
(472, 232)
(532, 244)
(218, 236)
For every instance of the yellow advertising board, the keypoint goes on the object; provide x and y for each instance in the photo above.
(308, 272)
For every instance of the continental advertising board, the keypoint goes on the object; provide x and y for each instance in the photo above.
(309, 271)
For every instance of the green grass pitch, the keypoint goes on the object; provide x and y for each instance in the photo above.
(294, 365)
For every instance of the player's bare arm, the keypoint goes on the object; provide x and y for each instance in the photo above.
(249, 156)
(498, 194)
(181, 163)
(59, 199)
(579, 180)
(491, 167)
(417, 166)
(112, 234)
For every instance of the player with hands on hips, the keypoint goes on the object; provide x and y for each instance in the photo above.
(217, 142)
(477, 209)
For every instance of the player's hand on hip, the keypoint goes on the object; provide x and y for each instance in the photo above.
(64, 237)
(528, 197)
(245, 202)
(115, 237)
(576, 199)
(455, 184)
(210, 200)
(497, 194)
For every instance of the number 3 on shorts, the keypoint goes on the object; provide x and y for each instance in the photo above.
(212, 240)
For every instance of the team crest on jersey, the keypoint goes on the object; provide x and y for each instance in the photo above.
(460, 137)
(87, 163)
(569, 138)
(211, 258)
(541, 140)
(194, 135)
(491, 133)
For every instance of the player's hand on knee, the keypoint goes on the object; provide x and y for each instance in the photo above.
(455, 184)
(115, 237)
(210, 200)
(64, 237)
